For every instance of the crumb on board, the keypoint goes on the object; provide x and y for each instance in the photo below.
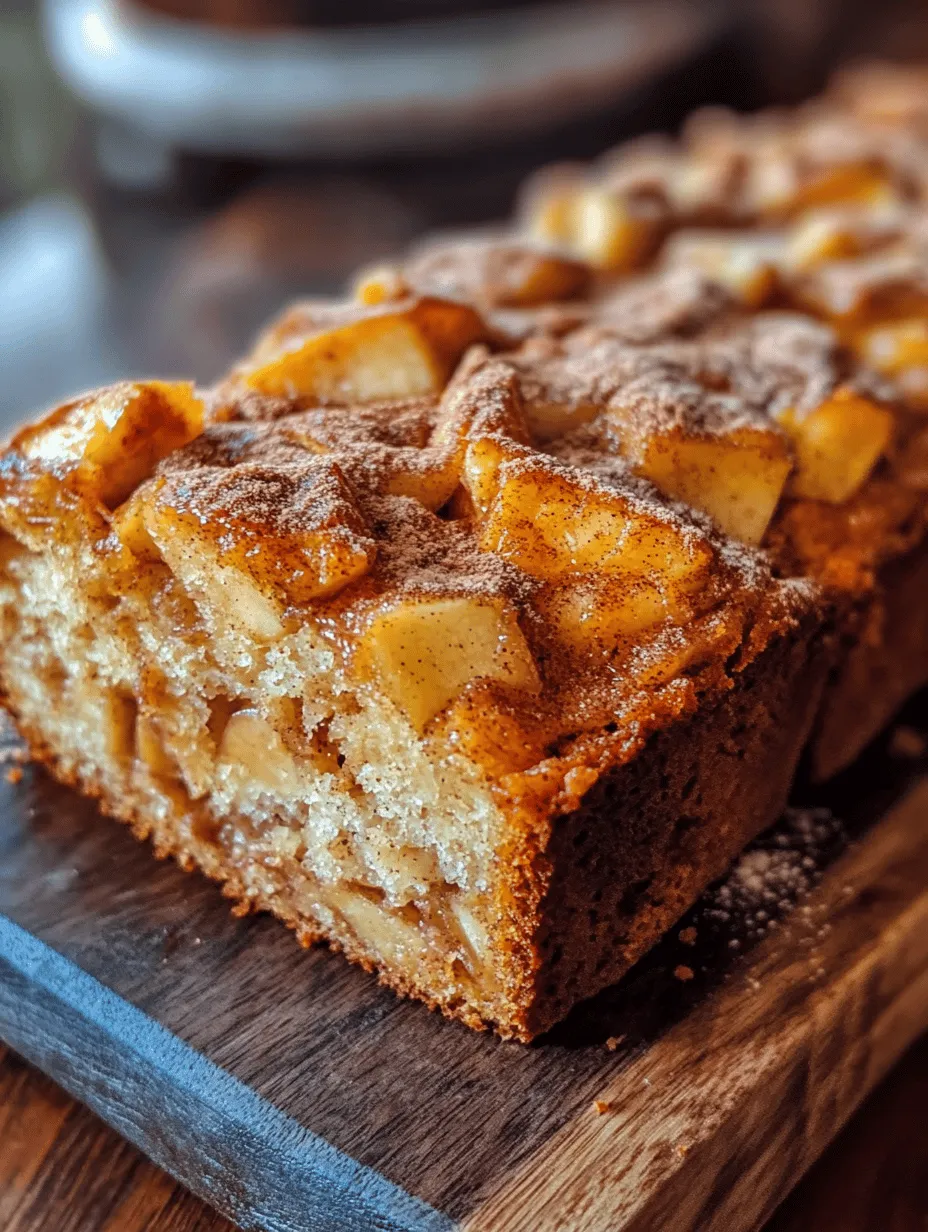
(600, 1107)
(683, 1150)
(683, 972)
(614, 1041)
(14, 774)
(906, 743)
(688, 936)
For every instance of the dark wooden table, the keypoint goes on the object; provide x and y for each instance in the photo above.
(63, 1170)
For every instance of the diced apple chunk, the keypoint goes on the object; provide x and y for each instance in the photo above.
(898, 346)
(393, 350)
(151, 750)
(115, 437)
(379, 284)
(482, 461)
(425, 652)
(818, 237)
(550, 420)
(598, 613)
(543, 278)
(837, 445)
(776, 186)
(900, 350)
(850, 183)
(547, 202)
(608, 231)
(252, 540)
(736, 478)
(384, 931)
(554, 526)
(496, 271)
(252, 749)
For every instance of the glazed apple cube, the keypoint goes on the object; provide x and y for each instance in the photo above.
(850, 183)
(540, 278)
(736, 478)
(430, 479)
(252, 541)
(423, 653)
(112, 439)
(900, 350)
(483, 399)
(549, 420)
(481, 470)
(608, 231)
(129, 527)
(150, 748)
(895, 347)
(392, 350)
(818, 237)
(499, 271)
(746, 264)
(837, 445)
(554, 526)
(481, 420)
(776, 186)
(594, 615)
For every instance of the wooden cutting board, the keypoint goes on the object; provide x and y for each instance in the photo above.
(292, 1092)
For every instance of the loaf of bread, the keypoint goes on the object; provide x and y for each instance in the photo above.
(475, 624)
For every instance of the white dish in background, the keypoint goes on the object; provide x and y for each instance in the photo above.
(364, 89)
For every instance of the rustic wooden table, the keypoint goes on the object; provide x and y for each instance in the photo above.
(63, 1170)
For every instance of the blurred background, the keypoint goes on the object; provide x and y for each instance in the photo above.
(171, 171)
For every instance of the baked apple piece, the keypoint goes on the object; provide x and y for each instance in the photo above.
(250, 541)
(490, 271)
(746, 263)
(568, 530)
(424, 652)
(736, 477)
(107, 442)
(837, 445)
(360, 353)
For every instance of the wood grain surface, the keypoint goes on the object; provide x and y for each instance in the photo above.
(63, 1170)
(290, 1091)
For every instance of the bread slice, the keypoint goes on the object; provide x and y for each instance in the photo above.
(416, 734)
(475, 632)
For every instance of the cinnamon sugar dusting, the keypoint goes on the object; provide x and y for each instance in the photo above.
(614, 457)
(397, 483)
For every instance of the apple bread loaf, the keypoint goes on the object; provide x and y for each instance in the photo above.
(473, 626)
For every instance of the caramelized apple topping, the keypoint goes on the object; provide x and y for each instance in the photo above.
(108, 442)
(837, 445)
(252, 540)
(423, 653)
(361, 353)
